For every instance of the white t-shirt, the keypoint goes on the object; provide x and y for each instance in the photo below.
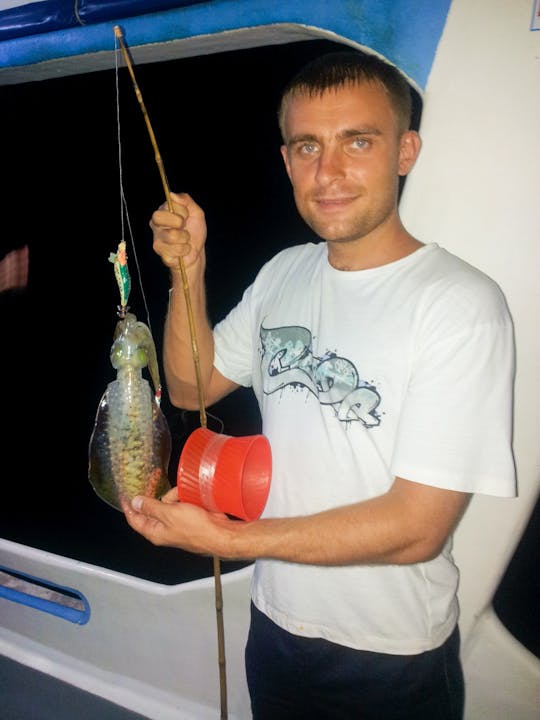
(401, 370)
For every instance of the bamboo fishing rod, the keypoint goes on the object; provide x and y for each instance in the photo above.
(196, 362)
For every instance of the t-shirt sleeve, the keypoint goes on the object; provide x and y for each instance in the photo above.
(233, 343)
(455, 428)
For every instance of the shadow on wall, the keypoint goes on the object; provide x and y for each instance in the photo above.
(517, 599)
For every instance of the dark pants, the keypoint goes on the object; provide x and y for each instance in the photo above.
(297, 678)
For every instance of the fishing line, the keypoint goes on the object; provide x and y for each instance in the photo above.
(181, 266)
(195, 352)
(124, 212)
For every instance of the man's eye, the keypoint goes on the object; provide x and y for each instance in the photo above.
(307, 149)
(359, 143)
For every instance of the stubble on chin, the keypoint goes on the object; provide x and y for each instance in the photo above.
(340, 232)
(354, 228)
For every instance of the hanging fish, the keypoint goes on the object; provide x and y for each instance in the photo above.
(130, 445)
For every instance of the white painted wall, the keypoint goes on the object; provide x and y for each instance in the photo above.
(476, 192)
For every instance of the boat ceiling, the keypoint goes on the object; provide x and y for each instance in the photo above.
(54, 38)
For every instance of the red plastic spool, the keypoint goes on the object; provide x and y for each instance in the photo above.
(225, 474)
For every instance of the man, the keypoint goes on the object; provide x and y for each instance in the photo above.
(383, 369)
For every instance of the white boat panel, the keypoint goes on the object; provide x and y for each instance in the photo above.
(151, 648)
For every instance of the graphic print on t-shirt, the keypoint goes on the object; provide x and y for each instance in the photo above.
(288, 360)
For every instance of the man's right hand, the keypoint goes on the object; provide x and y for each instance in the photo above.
(181, 233)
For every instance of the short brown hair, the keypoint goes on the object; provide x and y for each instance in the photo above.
(340, 68)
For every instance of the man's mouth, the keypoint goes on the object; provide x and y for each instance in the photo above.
(330, 203)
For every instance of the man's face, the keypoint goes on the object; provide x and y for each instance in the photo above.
(343, 155)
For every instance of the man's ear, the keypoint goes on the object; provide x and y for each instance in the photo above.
(285, 157)
(409, 149)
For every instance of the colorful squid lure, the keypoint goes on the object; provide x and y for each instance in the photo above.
(130, 445)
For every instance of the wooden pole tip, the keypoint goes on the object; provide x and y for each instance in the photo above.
(117, 31)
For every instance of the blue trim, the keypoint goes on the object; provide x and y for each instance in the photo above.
(406, 32)
(80, 617)
(36, 17)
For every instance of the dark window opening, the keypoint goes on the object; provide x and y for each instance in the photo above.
(217, 132)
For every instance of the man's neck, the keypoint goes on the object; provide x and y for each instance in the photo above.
(371, 251)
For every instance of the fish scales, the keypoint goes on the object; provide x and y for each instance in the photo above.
(130, 433)
(130, 444)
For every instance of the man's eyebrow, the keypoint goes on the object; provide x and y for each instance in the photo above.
(295, 139)
(353, 132)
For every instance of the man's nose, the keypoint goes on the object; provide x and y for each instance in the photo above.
(331, 164)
